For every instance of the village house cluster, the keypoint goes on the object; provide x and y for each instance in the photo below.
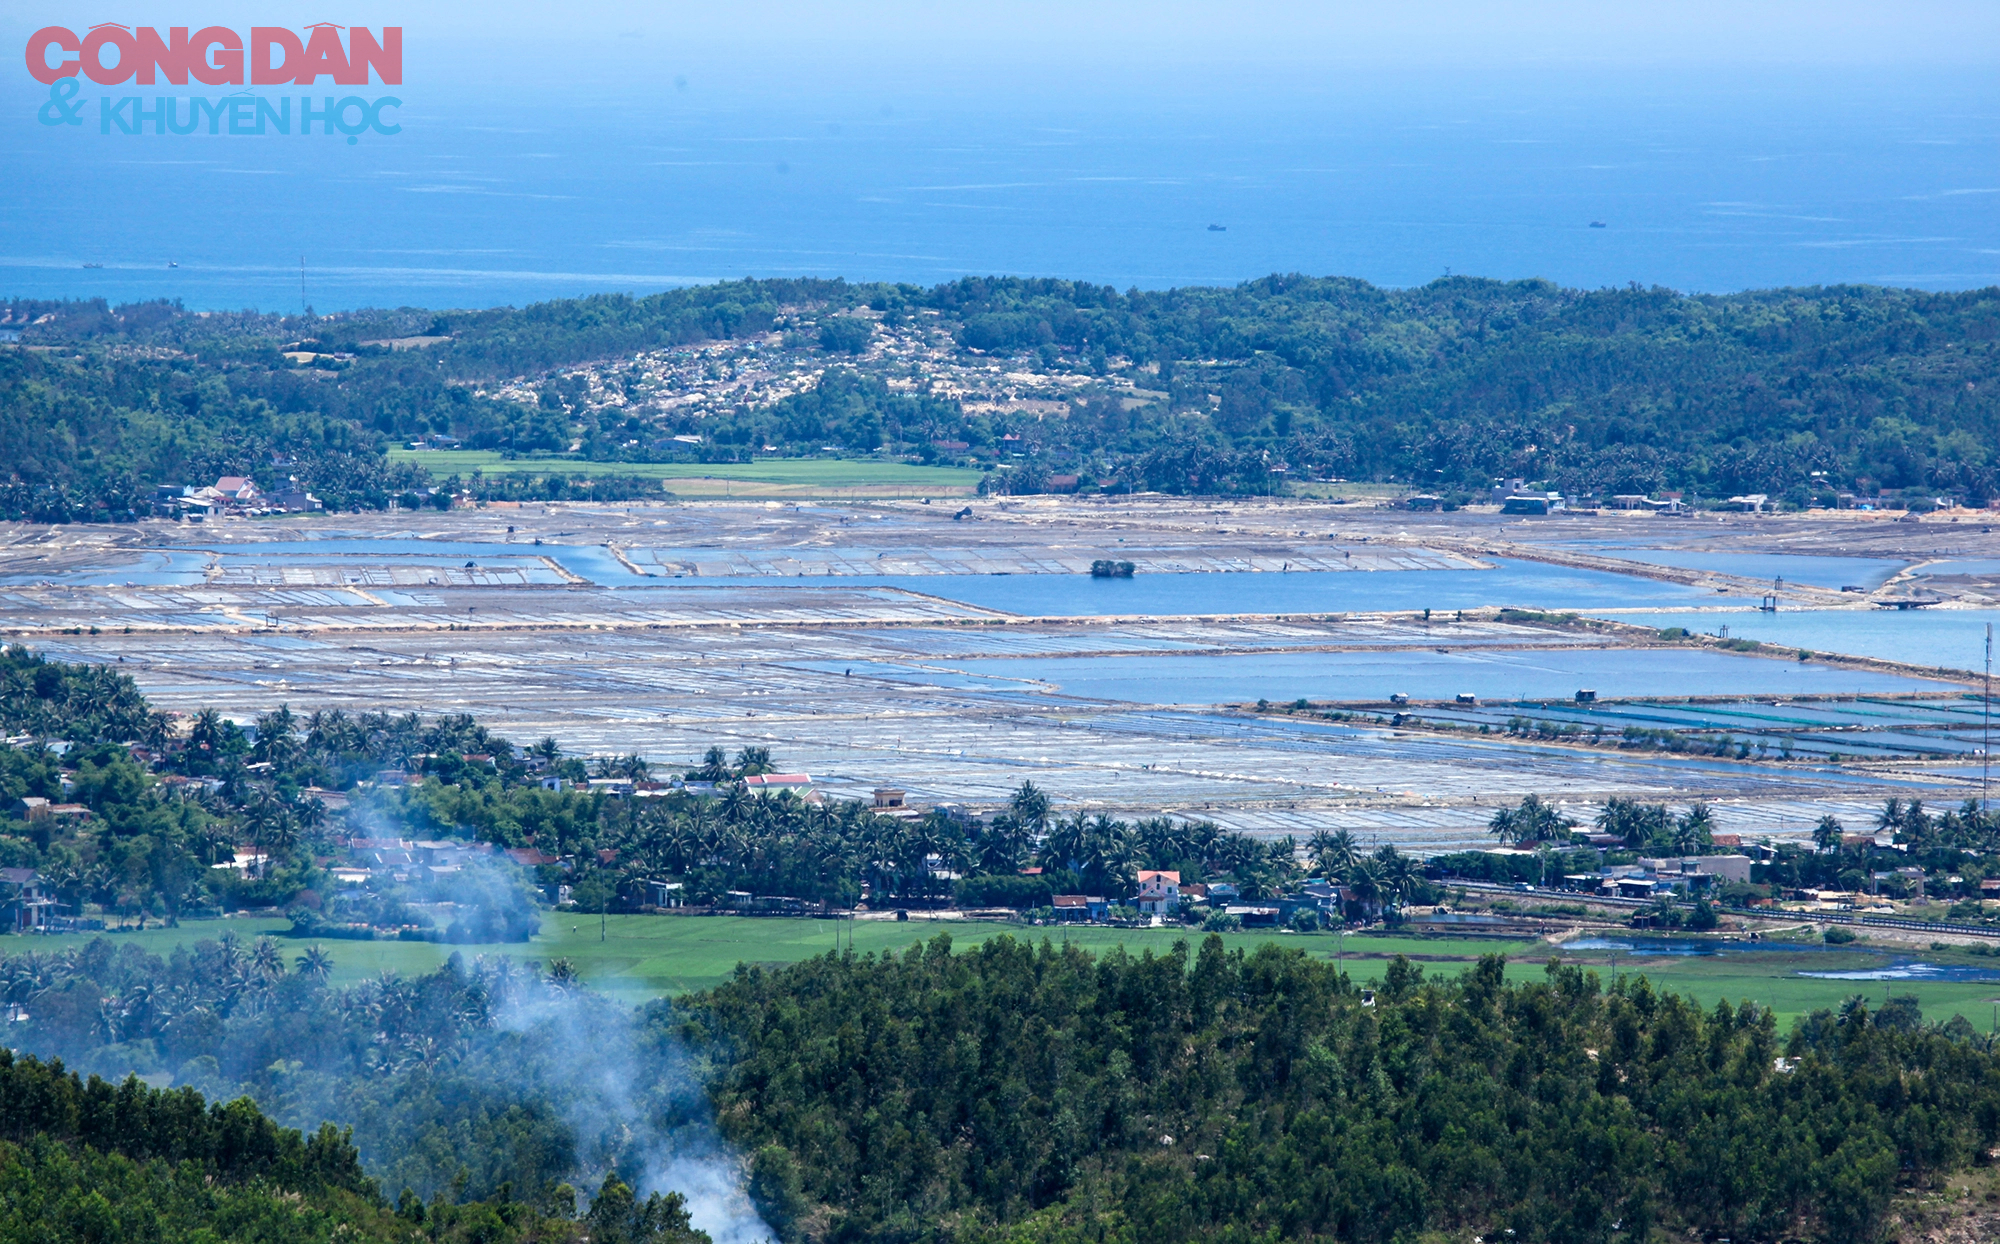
(231, 495)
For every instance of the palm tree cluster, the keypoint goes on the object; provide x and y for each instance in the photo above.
(1104, 855)
(334, 748)
(198, 989)
(1967, 826)
(772, 842)
(1386, 878)
(1534, 821)
(1653, 827)
(82, 703)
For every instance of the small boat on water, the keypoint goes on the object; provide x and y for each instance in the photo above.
(173, 263)
(1598, 224)
(1218, 228)
(93, 265)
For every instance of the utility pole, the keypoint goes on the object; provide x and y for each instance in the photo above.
(1986, 728)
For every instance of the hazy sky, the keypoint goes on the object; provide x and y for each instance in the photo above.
(1123, 34)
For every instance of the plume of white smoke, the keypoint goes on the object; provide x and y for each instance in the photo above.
(633, 1104)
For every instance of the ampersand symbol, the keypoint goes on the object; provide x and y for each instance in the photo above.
(58, 111)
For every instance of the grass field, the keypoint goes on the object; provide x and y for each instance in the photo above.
(642, 957)
(768, 477)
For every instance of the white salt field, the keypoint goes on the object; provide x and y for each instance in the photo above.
(893, 644)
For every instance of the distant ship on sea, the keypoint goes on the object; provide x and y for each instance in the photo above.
(1218, 228)
(173, 263)
(1597, 224)
(93, 265)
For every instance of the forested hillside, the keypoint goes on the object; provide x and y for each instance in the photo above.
(1796, 393)
(1022, 1094)
(91, 1162)
(1010, 1092)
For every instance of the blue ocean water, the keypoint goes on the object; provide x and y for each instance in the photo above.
(696, 170)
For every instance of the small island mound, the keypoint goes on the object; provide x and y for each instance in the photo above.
(1103, 568)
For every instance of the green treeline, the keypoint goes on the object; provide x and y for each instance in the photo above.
(465, 1114)
(234, 1141)
(1798, 393)
(1016, 1092)
(1039, 1094)
(100, 1163)
(169, 798)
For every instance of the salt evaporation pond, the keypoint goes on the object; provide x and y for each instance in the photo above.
(1513, 674)
(185, 567)
(1528, 585)
(587, 561)
(151, 568)
(1868, 572)
(1951, 638)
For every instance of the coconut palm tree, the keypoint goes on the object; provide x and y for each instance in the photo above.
(207, 737)
(277, 737)
(1030, 807)
(1066, 844)
(1333, 852)
(267, 959)
(1364, 880)
(1398, 875)
(315, 965)
(736, 803)
(1693, 830)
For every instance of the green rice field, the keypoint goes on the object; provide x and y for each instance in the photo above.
(643, 957)
(783, 473)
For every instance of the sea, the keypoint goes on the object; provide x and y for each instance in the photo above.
(643, 166)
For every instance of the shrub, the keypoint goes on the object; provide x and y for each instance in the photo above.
(845, 334)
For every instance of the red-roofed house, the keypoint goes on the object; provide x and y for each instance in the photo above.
(1159, 892)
